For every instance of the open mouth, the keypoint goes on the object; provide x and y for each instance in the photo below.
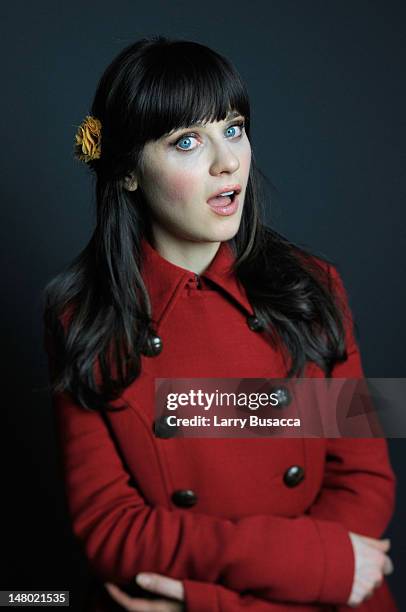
(224, 199)
(224, 205)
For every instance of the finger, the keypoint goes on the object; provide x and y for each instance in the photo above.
(355, 599)
(366, 586)
(162, 585)
(374, 581)
(381, 544)
(375, 540)
(388, 566)
(133, 604)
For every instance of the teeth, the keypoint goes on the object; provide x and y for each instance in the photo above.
(226, 193)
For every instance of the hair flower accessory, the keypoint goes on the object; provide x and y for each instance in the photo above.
(88, 139)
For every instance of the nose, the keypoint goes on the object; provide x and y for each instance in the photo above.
(224, 160)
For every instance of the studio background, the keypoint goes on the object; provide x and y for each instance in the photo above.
(327, 88)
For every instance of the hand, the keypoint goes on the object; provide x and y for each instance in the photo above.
(156, 583)
(371, 564)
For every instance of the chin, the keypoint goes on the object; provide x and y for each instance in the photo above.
(219, 230)
(228, 230)
(224, 234)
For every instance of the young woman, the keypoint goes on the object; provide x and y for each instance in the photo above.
(179, 281)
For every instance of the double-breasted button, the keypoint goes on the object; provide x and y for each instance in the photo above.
(162, 429)
(293, 476)
(185, 498)
(283, 396)
(153, 346)
(254, 323)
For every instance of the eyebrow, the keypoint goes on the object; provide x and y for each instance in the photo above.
(233, 114)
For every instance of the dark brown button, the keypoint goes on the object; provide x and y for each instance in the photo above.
(283, 396)
(162, 429)
(153, 346)
(185, 498)
(293, 476)
(254, 323)
(194, 282)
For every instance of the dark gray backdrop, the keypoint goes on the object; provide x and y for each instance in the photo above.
(327, 87)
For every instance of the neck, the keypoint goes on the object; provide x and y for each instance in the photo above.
(194, 256)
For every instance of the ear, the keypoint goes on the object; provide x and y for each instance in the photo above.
(130, 182)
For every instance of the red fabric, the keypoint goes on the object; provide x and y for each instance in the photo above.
(250, 542)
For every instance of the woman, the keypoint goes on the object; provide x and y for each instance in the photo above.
(179, 281)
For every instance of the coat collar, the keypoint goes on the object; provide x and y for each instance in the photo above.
(165, 280)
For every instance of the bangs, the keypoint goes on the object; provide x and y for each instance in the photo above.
(186, 84)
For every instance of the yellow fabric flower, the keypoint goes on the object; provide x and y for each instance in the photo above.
(88, 139)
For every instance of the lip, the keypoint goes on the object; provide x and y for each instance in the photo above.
(236, 188)
(227, 210)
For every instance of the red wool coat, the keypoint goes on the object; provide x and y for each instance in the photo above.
(217, 513)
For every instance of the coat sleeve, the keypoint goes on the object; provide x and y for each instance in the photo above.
(202, 596)
(123, 535)
(359, 484)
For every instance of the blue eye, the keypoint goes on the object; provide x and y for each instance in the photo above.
(231, 129)
(184, 140)
(187, 138)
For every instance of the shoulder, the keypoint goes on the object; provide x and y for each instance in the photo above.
(328, 274)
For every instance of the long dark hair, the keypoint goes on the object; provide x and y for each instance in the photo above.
(97, 311)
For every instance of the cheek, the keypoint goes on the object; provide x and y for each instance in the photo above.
(245, 159)
(178, 187)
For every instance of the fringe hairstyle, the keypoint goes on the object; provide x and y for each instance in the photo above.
(97, 312)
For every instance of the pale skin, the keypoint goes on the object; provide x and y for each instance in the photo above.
(179, 173)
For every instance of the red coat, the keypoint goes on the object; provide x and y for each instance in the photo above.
(234, 532)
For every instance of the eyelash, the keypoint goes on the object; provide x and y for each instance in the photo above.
(240, 124)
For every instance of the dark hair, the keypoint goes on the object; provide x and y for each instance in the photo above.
(97, 311)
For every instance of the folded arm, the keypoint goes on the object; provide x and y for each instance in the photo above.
(202, 596)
